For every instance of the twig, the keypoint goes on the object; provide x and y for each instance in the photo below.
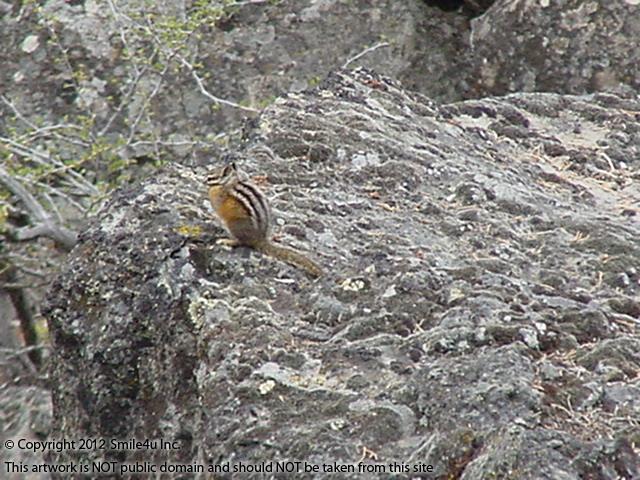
(53, 207)
(123, 36)
(365, 52)
(167, 143)
(15, 352)
(174, 53)
(247, 2)
(143, 107)
(20, 261)
(23, 312)
(206, 93)
(124, 101)
(75, 178)
(61, 194)
(38, 131)
(33, 273)
(47, 227)
(17, 112)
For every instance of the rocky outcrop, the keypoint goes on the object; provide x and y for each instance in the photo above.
(570, 46)
(480, 314)
(124, 72)
(110, 64)
(449, 229)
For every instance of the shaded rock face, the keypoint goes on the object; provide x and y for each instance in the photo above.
(571, 46)
(480, 312)
(87, 58)
(85, 61)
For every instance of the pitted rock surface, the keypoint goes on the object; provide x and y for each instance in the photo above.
(480, 312)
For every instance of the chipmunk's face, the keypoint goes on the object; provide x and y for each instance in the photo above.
(223, 177)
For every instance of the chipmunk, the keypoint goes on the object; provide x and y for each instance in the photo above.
(246, 214)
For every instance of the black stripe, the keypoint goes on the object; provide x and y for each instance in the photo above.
(260, 203)
(249, 204)
(213, 180)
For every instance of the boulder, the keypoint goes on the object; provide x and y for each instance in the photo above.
(568, 46)
(478, 318)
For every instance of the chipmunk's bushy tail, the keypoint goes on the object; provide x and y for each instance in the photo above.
(290, 256)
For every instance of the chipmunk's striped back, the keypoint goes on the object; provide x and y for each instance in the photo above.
(246, 214)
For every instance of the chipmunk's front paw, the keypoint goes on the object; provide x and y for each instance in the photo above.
(228, 242)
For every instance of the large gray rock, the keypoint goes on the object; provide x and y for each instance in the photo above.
(117, 72)
(480, 312)
(118, 66)
(570, 46)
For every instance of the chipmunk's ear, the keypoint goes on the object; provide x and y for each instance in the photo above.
(229, 169)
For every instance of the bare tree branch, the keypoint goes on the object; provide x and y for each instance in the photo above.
(21, 305)
(75, 178)
(149, 29)
(143, 107)
(49, 130)
(206, 93)
(125, 100)
(365, 52)
(45, 225)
